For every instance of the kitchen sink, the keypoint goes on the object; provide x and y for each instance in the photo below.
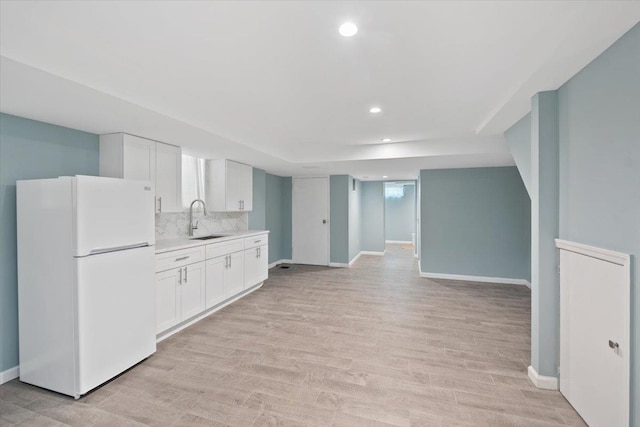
(213, 236)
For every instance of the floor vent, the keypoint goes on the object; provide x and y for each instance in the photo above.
(285, 266)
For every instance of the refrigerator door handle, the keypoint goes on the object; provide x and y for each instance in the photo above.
(118, 248)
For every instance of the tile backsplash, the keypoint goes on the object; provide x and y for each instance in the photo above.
(175, 225)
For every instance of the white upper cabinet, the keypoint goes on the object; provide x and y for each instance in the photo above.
(168, 177)
(229, 186)
(131, 157)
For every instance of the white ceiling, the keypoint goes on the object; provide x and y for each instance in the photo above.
(273, 84)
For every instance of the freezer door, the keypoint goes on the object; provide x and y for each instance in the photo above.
(116, 313)
(112, 214)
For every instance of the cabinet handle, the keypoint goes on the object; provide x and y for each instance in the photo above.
(182, 258)
(160, 204)
(229, 261)
(185, 275)
(226, 261)
(180, 277)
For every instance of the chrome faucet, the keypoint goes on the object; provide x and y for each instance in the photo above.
(191, 226)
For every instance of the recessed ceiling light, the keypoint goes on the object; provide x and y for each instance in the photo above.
(375, 110)
(385, 176)
(348, 29)
(386, 139)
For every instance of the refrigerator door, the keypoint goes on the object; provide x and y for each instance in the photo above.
(112, 214)
(116, 313)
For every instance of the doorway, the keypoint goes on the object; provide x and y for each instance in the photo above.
(400, 212)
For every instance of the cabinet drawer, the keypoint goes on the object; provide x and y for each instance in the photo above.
(224, 248)
(255, 241)
(179, 258)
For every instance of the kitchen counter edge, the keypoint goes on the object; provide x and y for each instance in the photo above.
(170, 245)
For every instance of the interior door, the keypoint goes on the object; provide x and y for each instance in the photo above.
(311, 221)
(594, 338)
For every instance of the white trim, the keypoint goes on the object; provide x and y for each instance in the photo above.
(373, 253)
(166, 334)
(404, 242)
(415, 255)
(593, 252)
(280, 261)
(540, 381)
(9, 374)
(502, 280)
(355, 258)
(348, 265)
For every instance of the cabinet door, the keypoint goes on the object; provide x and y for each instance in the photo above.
(138, 158)
(215, 274)
(192, 290)
(168, 178)
(246, 187)
(234, 182)
(256, 263)
(167, 300)
(234, 275)
(263, 263)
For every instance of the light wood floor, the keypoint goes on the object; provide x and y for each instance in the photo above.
(371, 345)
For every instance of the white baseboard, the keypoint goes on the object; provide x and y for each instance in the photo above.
(540, 381)
(502, 280)
(355, 258)
(345, 265)
(9, 374)
(339, 264)
(280, 261)
(403, 242)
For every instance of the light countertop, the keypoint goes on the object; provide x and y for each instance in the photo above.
(168, 245)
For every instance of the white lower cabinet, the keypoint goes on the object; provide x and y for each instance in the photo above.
(192, 290)
(224, 278)
(256, 264)
(229, 268)
(167, 300)
(180, 294)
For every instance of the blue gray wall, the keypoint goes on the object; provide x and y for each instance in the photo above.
(519, 140)
(257, 214)
(355, 215)
(372, 221)
(287, 213)
(545, 291)
(599, 116)
(30, 150)
(400, 215)
(475, 222)
(339, 218)
(272, 211)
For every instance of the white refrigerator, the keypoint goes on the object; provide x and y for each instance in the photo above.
(86, 264)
